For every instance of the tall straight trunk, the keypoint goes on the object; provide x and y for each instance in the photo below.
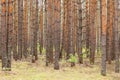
(98, 29)
(109, 30)
(15, 30)
(0, 36)
(70, 30)
(116, 38)
(57, 31)
(6, 34)
(20, 27)
(87, 28)
(44, 23)
(41, 28)
(34, 29)
(93, 5)
(29, 26)
(49, 36)
(79, 31)
(25, 29)
(45, 30)
(62, 25)
(65, 30)
(103, 15)
(9, 32)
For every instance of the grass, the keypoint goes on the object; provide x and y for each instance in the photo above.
(38, 71)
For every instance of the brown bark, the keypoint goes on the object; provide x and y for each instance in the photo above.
(20, 28)
(103, 36)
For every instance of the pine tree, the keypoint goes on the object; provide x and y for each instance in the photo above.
(20, 28)
(103, 15)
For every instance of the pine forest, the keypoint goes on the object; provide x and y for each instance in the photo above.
(59, 39)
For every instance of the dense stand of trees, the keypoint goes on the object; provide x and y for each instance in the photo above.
(62, 29)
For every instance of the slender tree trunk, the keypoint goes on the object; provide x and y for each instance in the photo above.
(79, 32)
(20, 27)
(34, 29)
(41, 28)
(45, 30)
(6, 34)
(15, 31)
(109, 30)
(57, 31)
(9, 32)
(70, 30)
(87, 28)
(103, 36)
(116, 38)
(62, 25)
(49, 36)
(93, 5)
(25, 29)
(4, 46)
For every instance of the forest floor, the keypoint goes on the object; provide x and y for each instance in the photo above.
(38, 71)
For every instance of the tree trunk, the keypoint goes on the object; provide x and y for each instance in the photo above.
(79, 32)
(103, 15)
(15, 31)
(20, 27)
(25, 29)
(116, 38)
(6, 34)
(57, 33)
(70, 30)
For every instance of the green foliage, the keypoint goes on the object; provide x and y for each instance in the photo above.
(98, 52)
(38, 46)
(72, 58)
(44, 51)
(63, 61)
(84, 52)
